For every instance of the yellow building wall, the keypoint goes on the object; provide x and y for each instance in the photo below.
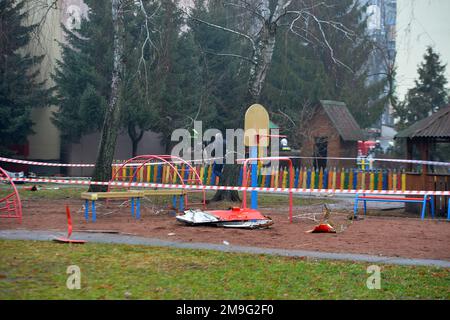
(45, 143)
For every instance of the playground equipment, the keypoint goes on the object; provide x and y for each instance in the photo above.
(10, 205)
(256, 138)
(134, 196)
(140, 167)
(94, 196)
(256, 128)
(165, 168)
(425, 200)
(245, 179)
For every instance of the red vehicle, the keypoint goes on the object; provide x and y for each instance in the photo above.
(365, 146)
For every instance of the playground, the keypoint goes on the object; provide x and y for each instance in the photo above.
(165, 199)
(384, 233)
(37, 269)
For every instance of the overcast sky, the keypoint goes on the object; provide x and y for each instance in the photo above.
(420, 23)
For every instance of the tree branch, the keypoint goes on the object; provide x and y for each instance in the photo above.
(231, 55)
(212, 25)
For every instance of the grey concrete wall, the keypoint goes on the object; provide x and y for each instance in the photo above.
(86, 150)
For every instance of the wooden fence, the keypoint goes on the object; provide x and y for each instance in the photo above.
(275, 177)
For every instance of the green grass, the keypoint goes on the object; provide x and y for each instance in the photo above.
(37, 270)
(46, 191)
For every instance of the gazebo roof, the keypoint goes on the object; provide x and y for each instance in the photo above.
(435, 126)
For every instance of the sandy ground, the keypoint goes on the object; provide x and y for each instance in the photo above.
(383, 236)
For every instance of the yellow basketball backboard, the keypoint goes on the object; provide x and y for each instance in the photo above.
(256, 126)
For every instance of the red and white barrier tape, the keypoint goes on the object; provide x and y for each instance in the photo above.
(46, 164)
(84, 165)
(235, 188)
(367, 160)
(434, 163)
(81, 165)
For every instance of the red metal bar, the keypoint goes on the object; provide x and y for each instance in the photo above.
(166, 159)
(12, 201)
(291, 181)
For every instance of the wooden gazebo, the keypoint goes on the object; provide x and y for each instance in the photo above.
(421, 140)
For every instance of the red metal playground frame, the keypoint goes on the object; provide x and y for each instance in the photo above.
(147, 160)
(291, 180)
(10, 205)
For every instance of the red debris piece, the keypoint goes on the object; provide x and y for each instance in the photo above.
(322, 228)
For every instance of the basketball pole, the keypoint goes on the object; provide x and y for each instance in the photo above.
(256, 119)
(254, 195)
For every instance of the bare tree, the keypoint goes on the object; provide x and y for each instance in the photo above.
(266, 17)
(112, 121)
(102, 171)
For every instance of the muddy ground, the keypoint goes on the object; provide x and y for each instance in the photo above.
(376, 235)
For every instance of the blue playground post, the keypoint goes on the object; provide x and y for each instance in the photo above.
(355, 207)
(448, 209)
(86, 210)
(94, 214)
(424, 206)
(365, 204)
(432, 206)
(174, 202)
(138, 208)
(181, 208)
(254, 194)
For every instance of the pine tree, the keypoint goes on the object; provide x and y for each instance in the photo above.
(224, 76)
(159, 77)
(83, 77)
(365, 100)
(429, 93)
(176, 84)
(20, 89)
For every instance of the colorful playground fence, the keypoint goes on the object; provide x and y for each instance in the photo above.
(276, 177)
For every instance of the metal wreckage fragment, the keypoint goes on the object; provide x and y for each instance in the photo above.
(232, 218)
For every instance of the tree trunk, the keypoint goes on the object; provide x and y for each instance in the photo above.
(230, 177)
(102, 171)
(64, 155)
(135, 138)
(262, 60)
(167, 145)
(134, 146)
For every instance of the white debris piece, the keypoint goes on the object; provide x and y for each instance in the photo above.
(252, 224)
(225, 218)
(197, 217)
